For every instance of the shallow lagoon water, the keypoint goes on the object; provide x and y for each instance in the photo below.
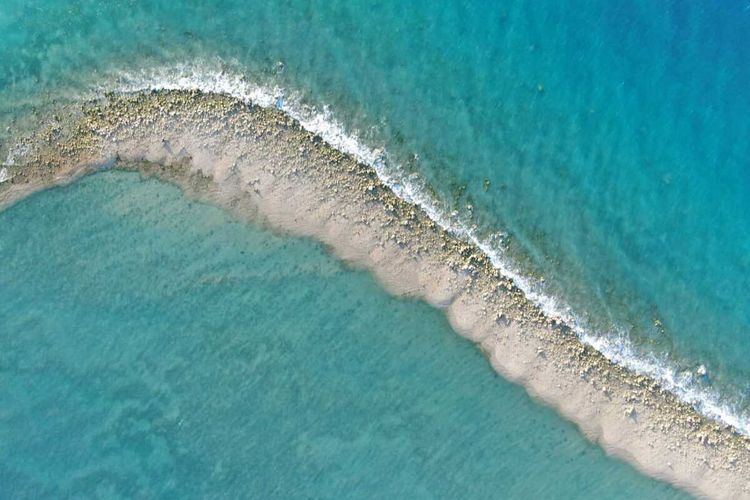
(157, 346)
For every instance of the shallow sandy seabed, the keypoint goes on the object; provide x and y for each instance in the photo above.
(261, 165)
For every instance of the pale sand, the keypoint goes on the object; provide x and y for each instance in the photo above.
(261, 165)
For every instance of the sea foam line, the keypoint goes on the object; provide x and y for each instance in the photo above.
(215, 78)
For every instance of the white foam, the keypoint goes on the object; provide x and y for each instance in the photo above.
(215, 78)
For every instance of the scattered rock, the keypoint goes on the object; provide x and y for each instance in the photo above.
(502, 319)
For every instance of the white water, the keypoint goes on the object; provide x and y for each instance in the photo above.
(615, 346)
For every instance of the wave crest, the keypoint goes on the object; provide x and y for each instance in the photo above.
(219, 78)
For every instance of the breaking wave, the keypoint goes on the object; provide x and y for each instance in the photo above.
(615, 346)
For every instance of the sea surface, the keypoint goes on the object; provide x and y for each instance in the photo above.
(600, 151)
(156, 347)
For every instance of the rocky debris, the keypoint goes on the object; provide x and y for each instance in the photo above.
(502, 319)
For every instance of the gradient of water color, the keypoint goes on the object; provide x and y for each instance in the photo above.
(608, 141)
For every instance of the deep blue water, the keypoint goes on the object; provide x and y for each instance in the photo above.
(156, 347)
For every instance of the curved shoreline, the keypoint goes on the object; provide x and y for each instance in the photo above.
(205, 77)
(264, 165)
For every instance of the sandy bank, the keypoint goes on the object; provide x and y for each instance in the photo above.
(261, 164)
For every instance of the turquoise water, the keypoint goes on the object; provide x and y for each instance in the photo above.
(607, 141)
(157, 347)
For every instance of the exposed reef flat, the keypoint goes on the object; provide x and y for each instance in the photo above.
(262, 165)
